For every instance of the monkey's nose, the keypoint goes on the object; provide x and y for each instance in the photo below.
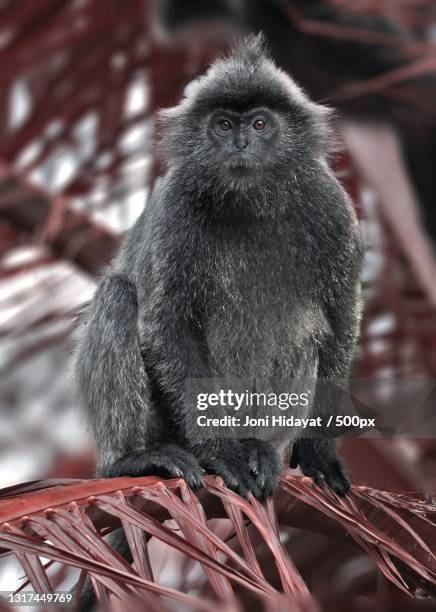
(241, 140)
(241, 144)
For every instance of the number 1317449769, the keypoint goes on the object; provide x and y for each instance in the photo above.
(29, 598)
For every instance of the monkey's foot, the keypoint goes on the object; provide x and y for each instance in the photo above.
(167, 461)
(248, 465)
(318, 458)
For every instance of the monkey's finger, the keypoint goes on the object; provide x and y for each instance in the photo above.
(253, 461)
(219, 468)
(294, 461)
(337, 479)
(340, 487)
(183, 464)
(268, 473)
(158, 465)
(237, 477)
(318, 477)
(251, 484)
(242, 469)
(192, 471)
(264, 465)
(332, 474)
(193, 475)
(167, 466)
(251, 448)
(341, 472)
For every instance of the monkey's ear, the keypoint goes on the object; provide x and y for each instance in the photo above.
(327, 140)
(166, 116)
(192, 87)
(173, 126)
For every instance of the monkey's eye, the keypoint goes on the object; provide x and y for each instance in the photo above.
(224, 125)
(259, 125)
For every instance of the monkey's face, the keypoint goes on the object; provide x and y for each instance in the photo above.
(243, 145)
(243, 130)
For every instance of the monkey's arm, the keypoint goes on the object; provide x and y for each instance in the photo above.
(109, 373)
(114, 389)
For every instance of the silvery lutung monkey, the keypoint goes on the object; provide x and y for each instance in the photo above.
(244, 263)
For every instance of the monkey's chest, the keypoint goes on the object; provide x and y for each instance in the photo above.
(260, 330)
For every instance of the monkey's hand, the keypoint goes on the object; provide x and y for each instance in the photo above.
(318, 458)
(248, 465)
(167, 461)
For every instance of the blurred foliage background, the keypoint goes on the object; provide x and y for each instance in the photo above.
(80, 82)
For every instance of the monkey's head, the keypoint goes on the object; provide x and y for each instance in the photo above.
(244, 124)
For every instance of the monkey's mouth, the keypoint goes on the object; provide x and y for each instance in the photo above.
(241, 167)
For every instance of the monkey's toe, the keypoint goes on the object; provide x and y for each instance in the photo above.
(235, 477)
(318, 459)
(336, 478)
(264, 464)
(167, 461)
(230, 462)
(332, 474)
(181, 464)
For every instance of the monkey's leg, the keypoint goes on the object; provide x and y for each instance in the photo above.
(115, 391)
(317, 454)
(316, 450)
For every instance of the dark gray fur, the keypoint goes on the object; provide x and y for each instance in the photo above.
(245, 262)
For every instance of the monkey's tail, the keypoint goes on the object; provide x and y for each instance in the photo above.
(109, 370)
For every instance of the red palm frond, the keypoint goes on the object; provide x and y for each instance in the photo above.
(65, 521)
